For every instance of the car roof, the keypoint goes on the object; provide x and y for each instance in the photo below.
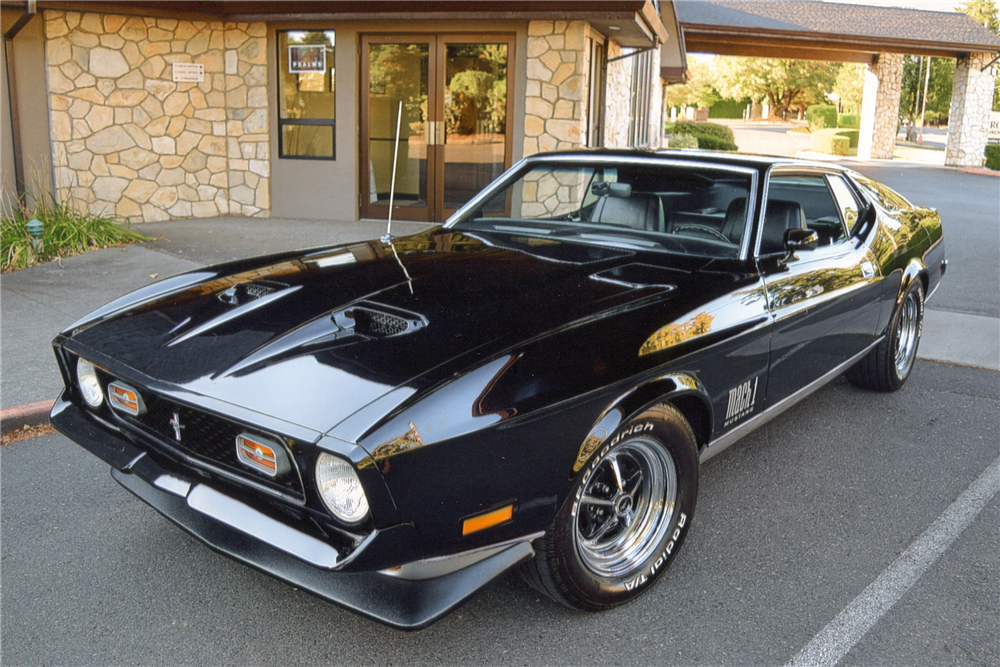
(760, 162)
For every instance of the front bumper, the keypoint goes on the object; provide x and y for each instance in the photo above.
(234, 529)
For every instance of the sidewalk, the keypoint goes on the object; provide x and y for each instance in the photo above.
(39, 302)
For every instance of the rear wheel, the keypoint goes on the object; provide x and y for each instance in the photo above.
(630, 509)
(887, 367)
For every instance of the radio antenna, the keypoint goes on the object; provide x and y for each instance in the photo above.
(387, 237)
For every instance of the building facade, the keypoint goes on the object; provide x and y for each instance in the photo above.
(149, 111)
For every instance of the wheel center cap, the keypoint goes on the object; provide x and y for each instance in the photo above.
(623, 505)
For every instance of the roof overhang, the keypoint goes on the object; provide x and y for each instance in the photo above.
(631, 23)
(789, 44)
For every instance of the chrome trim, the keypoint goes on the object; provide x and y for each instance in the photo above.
(431, 568)
(233, 513)
(174, 485)
(723, 442)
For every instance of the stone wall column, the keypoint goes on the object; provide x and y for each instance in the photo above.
(971, 103)
(554, 115)
(880, 107)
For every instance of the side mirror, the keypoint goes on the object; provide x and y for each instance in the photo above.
(801, 239)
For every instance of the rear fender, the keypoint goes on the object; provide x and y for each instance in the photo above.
(683, 389)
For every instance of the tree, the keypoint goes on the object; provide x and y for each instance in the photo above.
(850, 85)
(938, 93)
(984, 12)
(699, 90)
(782, 83)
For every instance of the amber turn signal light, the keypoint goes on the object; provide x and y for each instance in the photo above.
(487, 520)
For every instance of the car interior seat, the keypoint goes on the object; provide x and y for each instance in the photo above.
(637, 210)
(780, 216)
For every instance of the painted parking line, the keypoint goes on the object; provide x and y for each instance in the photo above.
(843, 632)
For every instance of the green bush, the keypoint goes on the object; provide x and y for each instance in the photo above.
(993, 157)
(852, 120)
(820, 116)
(715, 144)
(829, 141)
(683, 141)
(728, 109)
(66, 233)
(702, 129)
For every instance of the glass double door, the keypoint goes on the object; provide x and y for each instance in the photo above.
(449, 94)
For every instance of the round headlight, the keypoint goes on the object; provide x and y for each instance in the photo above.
(340, 488)
(90, 386)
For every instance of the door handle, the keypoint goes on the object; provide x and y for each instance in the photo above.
(434, 132)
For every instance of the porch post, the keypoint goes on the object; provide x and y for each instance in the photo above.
(880, 107)
(971, 103)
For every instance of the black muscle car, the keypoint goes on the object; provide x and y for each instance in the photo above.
(390, 425)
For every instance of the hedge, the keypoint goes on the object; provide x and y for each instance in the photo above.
(683, 141)
(830, 140)
(820, 116)
(851, 120)
(993, 157)
(715, 144)
(702, 129)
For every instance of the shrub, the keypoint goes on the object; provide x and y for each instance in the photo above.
(993, 157)
(66, 233)
(683, 141)
(831, 139)
(702, 129)
(851, 120)
(716, 144)
(820, 116)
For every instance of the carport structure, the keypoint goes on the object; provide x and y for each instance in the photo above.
(876, 36)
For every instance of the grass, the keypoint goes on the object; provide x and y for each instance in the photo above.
(67, 232)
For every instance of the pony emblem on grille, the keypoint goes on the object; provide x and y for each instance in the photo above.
(175, 424)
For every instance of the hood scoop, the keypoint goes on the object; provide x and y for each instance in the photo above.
(373, 320)
(244, 293)
(361, 321)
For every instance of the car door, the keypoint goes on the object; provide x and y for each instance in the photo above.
(824, 301)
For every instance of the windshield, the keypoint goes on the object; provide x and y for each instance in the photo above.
(688, 209)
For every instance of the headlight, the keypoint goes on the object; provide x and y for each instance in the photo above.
(90, 386)
(340, 488)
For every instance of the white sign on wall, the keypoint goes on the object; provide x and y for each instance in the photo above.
(993, 136)
(188, 72)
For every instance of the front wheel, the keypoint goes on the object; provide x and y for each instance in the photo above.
(628, 514)
(887, 367)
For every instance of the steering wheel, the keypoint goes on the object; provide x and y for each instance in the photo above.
(701, 229)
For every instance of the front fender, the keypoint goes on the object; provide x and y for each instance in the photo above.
(662, 389)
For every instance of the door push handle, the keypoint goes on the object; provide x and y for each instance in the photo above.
(434, 132)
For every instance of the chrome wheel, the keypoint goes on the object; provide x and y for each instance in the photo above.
(626, 508)
(907, 333)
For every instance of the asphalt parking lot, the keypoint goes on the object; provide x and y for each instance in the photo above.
(853, 500)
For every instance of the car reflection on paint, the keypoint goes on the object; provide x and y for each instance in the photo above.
(393, 424)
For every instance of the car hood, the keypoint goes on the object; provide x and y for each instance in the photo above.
(315, 336)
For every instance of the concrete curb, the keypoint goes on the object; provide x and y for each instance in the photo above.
(29, 414)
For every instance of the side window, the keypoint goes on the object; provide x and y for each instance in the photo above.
(847, 204)
(799, 201)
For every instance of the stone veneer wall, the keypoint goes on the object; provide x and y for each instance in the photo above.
(971, 103)
(555, 108)
(127, 140)
(617, 98)
(889, 72)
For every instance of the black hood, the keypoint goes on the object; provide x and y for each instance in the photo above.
(315, 336)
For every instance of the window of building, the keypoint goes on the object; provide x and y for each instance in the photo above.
(307, 85)
(641, 90)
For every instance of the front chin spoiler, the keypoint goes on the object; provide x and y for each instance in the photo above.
(400, 603)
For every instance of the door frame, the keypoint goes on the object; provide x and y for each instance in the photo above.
(434, 128)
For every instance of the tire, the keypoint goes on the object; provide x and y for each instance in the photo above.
(887, 367)
(627, 515)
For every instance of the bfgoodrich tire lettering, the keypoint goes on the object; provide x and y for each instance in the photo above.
(629, 511)
(887, 367)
